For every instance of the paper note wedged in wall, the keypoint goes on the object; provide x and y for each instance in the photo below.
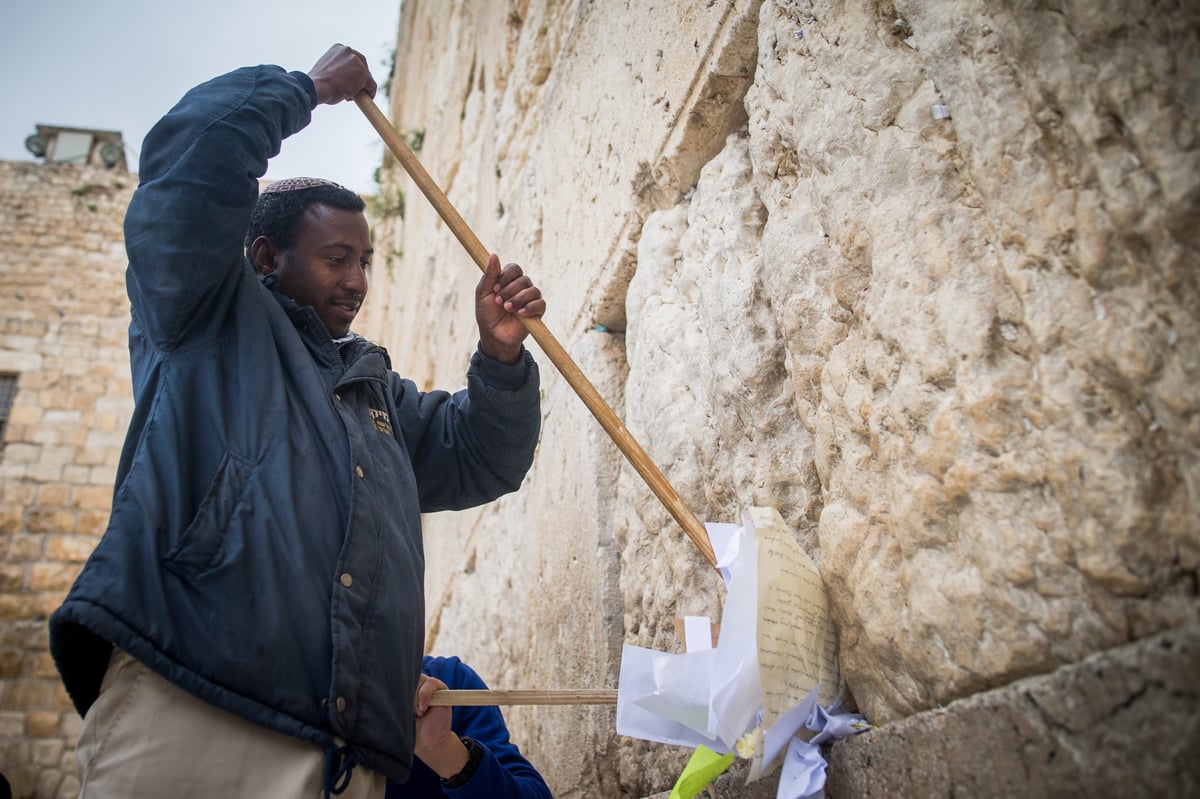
(797, 642)
(772, 670)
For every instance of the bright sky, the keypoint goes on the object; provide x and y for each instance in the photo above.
(122, 64)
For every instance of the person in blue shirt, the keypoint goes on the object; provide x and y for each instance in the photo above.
(464, 752)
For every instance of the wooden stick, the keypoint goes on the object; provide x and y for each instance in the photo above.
(457, 698)
(541, 334)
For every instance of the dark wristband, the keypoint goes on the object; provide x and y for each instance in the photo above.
(474, 758)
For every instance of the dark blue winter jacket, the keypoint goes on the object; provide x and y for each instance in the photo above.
(264, 549)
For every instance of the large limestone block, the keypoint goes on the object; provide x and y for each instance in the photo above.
(990, 324)
(1124, 722)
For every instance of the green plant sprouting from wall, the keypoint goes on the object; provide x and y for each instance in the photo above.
(385, 204)
(414, 138)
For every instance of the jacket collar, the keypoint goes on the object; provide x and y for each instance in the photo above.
(352, 348)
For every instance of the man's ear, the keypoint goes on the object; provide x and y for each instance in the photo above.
(264, 255)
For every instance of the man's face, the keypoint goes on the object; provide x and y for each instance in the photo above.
(326, 266)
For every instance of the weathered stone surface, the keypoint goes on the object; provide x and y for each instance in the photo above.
(1004, 452)
(662, 96)
(957, 350)
(1120, 723)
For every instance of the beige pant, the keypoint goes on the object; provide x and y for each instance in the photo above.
(144, 737)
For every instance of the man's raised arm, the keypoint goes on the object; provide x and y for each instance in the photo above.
(199, 174)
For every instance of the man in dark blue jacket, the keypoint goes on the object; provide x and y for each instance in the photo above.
(251, 623)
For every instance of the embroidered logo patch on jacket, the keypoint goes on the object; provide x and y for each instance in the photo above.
(383, 423)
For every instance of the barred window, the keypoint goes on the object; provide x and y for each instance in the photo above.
(8, 388)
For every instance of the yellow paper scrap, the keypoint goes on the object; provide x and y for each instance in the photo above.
(750, 744)
(704, 767)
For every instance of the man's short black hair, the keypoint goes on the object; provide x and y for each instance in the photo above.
(276, 212)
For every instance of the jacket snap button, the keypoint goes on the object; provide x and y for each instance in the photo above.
(358, 470)
(337, 397)
(347, 580)
(341, 704)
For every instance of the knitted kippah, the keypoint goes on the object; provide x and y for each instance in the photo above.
(296, 184)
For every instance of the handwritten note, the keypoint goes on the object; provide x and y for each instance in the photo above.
(797, 642)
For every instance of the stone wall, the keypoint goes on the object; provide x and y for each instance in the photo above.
(63, 332)
(923, 276)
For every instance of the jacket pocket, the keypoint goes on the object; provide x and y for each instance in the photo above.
(200, 544)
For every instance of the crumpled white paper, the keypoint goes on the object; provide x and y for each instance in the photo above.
(712, 697)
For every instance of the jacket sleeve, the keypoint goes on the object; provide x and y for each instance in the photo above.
(503, 773)
(198, 177)
(473, 446)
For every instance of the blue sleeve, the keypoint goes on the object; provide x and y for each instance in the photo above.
(504, 773)
(473, 446)
(198, 178)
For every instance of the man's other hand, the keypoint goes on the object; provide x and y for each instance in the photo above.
(503, 298)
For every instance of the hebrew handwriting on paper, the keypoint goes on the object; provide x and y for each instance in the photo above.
(797, 642)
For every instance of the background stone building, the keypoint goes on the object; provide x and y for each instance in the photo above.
(65, 365)
(921, 276)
